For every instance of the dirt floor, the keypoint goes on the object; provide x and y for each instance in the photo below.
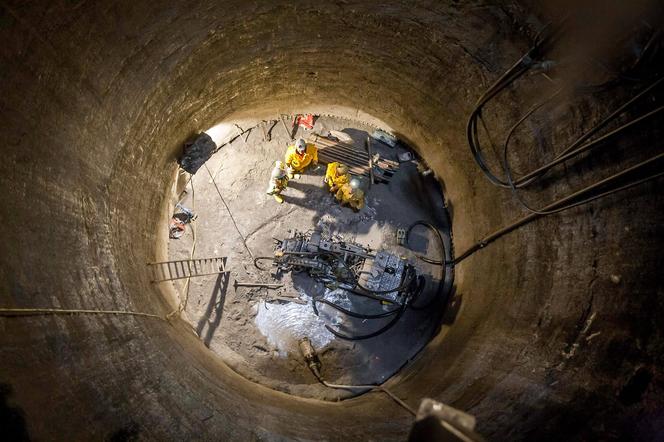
(256, 334)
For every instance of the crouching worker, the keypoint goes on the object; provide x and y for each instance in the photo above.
(336, 176)
(350, 194)
(278, 182)
(299, 156)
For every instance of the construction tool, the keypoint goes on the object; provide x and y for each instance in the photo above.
(288, 299)
(237, 284)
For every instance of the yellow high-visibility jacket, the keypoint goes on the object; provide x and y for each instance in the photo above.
(334, 180)
(354, 198)
(298, 162)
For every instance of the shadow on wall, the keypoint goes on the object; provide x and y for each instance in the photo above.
(440, 182)
(12, 421)
(214, 308)
(128, 433)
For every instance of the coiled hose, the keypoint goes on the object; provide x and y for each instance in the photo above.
(441, 262)
(413, 291)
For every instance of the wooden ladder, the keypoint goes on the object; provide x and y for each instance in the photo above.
(186, 268)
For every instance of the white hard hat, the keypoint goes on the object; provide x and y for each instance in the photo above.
(354, 184)
(300, 145)
(278, 171)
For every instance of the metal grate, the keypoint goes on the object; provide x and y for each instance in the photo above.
(359, 161)
(186, 268)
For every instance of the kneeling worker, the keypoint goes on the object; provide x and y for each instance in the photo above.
(299, 156)
(336, 176)
(278, 182)
(351, 194)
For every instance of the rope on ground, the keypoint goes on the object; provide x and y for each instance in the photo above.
(230, 214)
(397, 400)
(56, 311)
(366, 388)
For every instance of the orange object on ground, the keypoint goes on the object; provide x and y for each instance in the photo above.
(306, 121)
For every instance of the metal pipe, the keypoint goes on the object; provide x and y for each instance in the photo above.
(556, 205)
(565, 156)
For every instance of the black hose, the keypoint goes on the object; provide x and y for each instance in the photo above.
(271, 258)
(365, 295)
(440, 242)
(442, 262)
(432, 301)
(561, 204)
(351, 313)
(380, 331)
(412, 293)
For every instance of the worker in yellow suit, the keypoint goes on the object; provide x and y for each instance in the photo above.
(350, 194)
(278, 182)
(336, 176)
(299, 156)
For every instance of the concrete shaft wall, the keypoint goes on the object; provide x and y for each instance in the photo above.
(97, 99)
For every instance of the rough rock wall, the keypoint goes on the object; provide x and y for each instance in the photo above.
(97, 100)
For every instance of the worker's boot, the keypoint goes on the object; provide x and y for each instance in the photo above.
(279, 198)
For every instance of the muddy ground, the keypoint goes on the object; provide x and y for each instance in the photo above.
(248, 328)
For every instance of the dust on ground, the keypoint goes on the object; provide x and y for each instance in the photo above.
(251, 331)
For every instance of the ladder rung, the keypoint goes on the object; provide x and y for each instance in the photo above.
(186, 268)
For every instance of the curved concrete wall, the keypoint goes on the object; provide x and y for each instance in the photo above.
(97, 100)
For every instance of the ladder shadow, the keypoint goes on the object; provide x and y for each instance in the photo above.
(214, 308)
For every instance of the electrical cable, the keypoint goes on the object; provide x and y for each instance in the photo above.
(367, 389)
(438, 236)
(601, 182)
(581, 144)
(308, 352)
(230, 214)
(11, 312)
(380, 331)
(567, 154)
(520, 67)
(442, 262)
(410, 295)
(560, 204)
(351, 313)
(260, 258)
